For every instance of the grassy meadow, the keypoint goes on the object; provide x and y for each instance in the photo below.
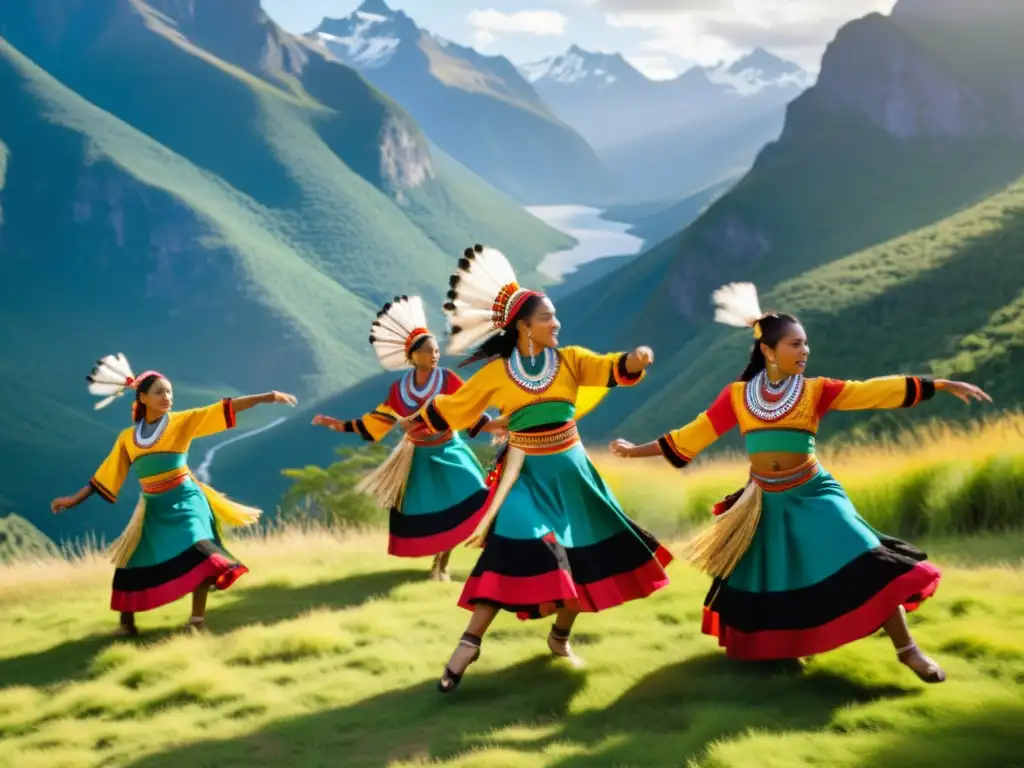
(327, 653)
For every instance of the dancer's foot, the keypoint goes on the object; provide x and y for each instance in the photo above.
(466, 652)
(925, 668)
(126, 630)
(558, 642)
(196, 624)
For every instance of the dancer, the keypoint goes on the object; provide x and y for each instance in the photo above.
(796, 569)
(433, 485)
(555, 539)
(172, 545)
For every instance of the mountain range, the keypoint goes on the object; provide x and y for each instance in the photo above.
(667, 139)
(889, 216)
(477, 108)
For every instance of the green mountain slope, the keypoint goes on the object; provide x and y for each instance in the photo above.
(235, 227)
(871, 153)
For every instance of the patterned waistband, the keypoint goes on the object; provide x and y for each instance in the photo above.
(775, 482)
(553, 441)
(423, 439)
(166, 481)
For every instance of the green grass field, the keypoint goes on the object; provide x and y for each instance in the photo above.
(328, 651)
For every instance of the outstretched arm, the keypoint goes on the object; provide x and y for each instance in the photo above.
(681, 446)
(106, 482)
(251, 401)
(372, 426)
(889, 392)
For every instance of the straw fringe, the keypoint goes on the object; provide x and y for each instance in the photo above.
(511, 465)
(386, 484)
(718, 548)
(225, 511)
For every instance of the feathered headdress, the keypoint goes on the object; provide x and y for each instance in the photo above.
(399, 325)
(484, 296)
(111, 376)
(736, 304)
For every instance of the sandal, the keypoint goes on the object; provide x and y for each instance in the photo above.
(196, 623)
(450, 679)
(932, 674)
(558, 643)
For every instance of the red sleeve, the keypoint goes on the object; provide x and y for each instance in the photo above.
(829, 392)
(720, 412)
(394, 400)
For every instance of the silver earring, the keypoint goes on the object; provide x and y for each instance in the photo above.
(529, 338)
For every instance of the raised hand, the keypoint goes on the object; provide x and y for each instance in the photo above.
(283, 398)
(622, 448)
(320, 420)
(639, 359)
(963, 390)
(62, 503)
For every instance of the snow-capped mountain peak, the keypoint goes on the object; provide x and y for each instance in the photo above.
(578, 66)
(758, 70)
(368, 37)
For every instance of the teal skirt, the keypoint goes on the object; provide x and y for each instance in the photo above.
(445, 498)
(179, 550)
(561, 539)
(816, 576)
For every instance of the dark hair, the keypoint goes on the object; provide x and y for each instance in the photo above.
(503, 344)
(139, 408)
(773, 329)
(418, 344)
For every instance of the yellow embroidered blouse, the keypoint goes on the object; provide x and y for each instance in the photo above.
(578, 372)
(795, 430)
(164, 455)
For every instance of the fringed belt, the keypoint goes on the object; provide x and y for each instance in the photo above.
(552, 441)
(776, 482)
(165, 481)
(424, 439)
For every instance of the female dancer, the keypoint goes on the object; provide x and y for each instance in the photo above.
(560, 543)
(172, 545)
(433, 485)
(796, 570)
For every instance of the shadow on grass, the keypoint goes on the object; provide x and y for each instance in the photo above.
(987, 739)
(668, 717)
(268, 604)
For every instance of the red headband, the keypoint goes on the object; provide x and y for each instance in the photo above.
(508, 302)
(415, 335)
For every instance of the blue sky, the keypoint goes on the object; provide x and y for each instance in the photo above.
(660, 37)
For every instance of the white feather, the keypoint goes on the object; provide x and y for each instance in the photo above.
(391, 329)
(737, 304)
(108, 378)
(472, 311)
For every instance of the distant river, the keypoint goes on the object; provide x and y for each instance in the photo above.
(597, 237)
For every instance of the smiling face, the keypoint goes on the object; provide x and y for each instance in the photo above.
(790, 353)
(542, 324)
(427, 355)
(158, 398)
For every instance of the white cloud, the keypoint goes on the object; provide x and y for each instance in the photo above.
(488, 24)
(654, 67)
(708, 31)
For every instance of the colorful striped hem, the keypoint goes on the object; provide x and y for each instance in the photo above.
(149, 587)
(430, 534)
(533, 578)
(909, 590)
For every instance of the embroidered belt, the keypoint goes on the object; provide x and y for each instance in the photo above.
(165, 481)
(425, 439)
(553, 441)
(775, 482)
